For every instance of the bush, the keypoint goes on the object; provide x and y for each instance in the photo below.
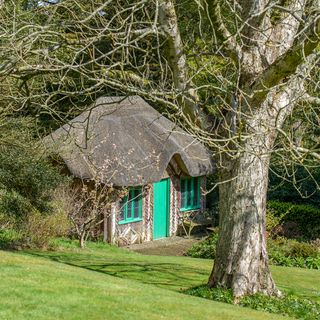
(216, 294)
(24, 168)
(291, 253)
(39, 228)
(36, 231)
(289, 305)
(303, 250)
(10, 239)
(272, 220)
(205, 249)
(282, 252)
(306, 217)
(14, 206)
(26, 180)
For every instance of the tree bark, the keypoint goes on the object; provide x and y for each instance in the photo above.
(82, 240)
(241, 261)
(177, 61)
(269, 56)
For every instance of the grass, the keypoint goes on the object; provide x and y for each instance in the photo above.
(288, 305)
(103, 282)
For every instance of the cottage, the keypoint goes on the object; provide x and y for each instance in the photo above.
(124, 142)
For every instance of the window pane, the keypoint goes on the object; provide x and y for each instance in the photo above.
(129, 204)
(195, 191)
(136, 203)
(183, 193)
(123, 204)
(189, 192)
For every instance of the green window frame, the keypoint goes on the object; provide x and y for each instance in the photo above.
(190, 193)
(131, 206)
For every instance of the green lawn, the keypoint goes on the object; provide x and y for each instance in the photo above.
(103, 282)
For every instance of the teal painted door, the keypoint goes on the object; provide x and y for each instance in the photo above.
(161, 205)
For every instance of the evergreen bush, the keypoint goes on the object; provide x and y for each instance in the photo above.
(307, 217)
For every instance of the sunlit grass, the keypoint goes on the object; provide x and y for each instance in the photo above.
(104, 282)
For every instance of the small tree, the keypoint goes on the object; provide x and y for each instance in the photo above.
(87, 204)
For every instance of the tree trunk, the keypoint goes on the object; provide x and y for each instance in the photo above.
(241, 261)
(82, 240)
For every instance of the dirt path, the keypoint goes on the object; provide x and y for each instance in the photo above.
(173, 246)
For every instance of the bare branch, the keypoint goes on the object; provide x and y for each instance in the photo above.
(213, 9)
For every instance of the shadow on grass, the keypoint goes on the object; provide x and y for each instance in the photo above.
(169, 275)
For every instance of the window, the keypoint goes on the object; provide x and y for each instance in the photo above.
(190, 193)
(131, 206)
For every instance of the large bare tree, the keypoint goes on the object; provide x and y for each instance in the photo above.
(231, 72)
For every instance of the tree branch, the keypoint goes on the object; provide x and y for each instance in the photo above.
(306, 151)
(214, 13)
(286, 65)
(178, 63)
(309, 99)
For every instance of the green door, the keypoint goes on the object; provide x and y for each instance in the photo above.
(161, 205)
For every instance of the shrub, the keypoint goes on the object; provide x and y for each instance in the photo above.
(216, 294)
(303, 250)
(272, 220)
(14, 206)
(10, 238)
(282, 252)
(306, 217)
(289, 305)
(36, 231)
(313, 263)
(39, 229)
(27, 181)
(205, 249)
(291, 253)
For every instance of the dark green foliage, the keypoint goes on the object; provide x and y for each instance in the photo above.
(27, 178)
(282, 252)
(27, 182)
(14, 205)
(216, 294)
(289, 305)
(291, 253)
(307, 217)
(295, 184)
(205, 249)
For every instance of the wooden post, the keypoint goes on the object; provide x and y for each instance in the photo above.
(113, 222)
(105, 226)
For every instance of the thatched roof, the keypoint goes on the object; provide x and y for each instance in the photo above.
(126, 142)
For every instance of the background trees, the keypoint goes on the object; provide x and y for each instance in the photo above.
(231, 72)
(27, 182)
